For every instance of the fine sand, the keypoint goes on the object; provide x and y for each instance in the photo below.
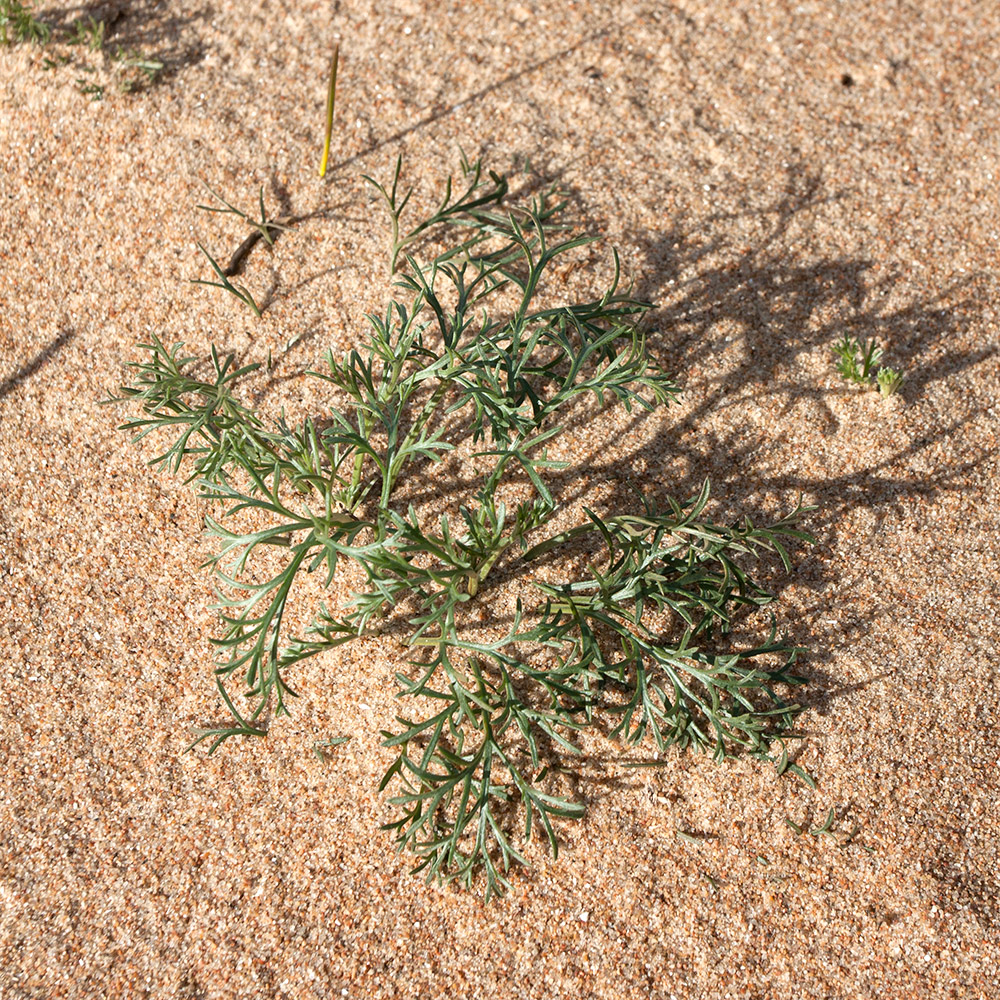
(774, 175)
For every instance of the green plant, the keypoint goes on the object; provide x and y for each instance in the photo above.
(889, 380)
(240, 291)
(135, 70)
(477, 195)
(265, 229)
(128, 70)
(855, 361)
(474, 350)
(18, 24)
(55, 63)
(89, 33)
(94, 91)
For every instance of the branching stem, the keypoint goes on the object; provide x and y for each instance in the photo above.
(641, 636)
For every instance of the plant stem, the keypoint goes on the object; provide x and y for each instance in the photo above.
(330, 98)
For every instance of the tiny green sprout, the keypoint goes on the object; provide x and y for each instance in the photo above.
(144, 70)
(846, 352)
(870, 355)
(239, 291)
(889, 380)
(855, 361)
(321, 746)
(826, 828)
(89, 33)
(18, 24)
(92, 90)
(265, 228)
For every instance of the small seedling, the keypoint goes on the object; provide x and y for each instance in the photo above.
(131, 70)
(143, 70)
(871, 353)
(637, 643)
(820, 831)
(846, 352)
(265, 229)
(225, 284)
(889, 380)
(321, 746)
(18, 24)
(784, 764)
(855, 361)
(92, 90)
(89, 33)
(826, 829)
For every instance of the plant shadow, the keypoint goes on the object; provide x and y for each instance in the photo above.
(445, 104)
(42, 358)
(772, 310)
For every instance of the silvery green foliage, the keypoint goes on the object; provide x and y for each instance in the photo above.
(637, 643)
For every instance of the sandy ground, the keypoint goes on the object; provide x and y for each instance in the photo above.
(774, 175)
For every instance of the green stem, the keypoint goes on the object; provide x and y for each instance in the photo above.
(395, 466)
(478, 575)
